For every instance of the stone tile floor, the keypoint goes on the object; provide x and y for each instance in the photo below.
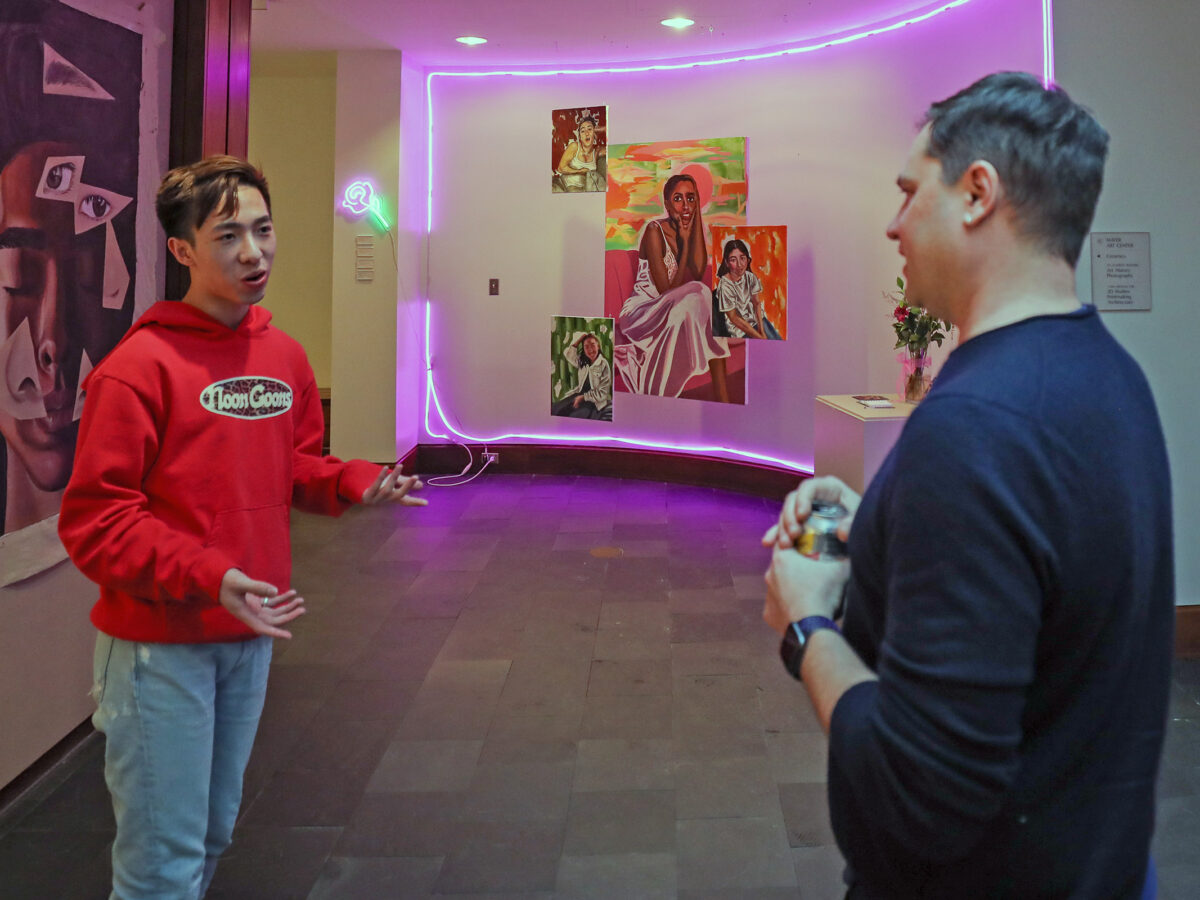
(478, 704)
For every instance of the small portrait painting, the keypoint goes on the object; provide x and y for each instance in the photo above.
(581, 355)
(750, 294)
(578, 159)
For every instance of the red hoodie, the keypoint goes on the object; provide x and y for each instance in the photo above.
(195, 441)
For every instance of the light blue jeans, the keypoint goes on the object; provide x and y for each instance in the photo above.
(179, 721)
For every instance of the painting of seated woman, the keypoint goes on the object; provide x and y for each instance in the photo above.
(581, 359)
(662, 200)
(751, 288)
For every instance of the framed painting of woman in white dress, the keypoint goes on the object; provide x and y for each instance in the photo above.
(662, 200)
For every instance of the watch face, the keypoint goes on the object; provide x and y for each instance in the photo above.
(791, 650)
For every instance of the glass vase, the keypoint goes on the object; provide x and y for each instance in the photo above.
(917, 374)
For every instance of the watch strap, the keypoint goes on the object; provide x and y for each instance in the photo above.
(795, 641)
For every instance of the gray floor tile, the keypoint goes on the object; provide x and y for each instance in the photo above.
(627, 677)
(624, 764)
(646, 876)
(564, 726)
(632, 643)
(635, 616)
(701, 600)
(635, 717)
(397, 878)
(305, 799)
(806, 813)
(733, 854)
(522, 857)
(288, 859)
(819, 872)
(797, 756)
(545, 684)
(725, 788)
(387, 825)
(703, 741)
(692, 628)
(610, 822)
(425, 766)
(518, 792)
(474, 703)
(711, 658)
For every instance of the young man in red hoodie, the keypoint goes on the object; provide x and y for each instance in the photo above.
(199, 431)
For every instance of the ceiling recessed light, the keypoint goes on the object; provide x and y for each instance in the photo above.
(471, 40)
(678, 22)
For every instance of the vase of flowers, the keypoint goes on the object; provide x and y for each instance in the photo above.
(915, 330)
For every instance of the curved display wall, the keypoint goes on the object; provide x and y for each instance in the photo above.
(826, 127)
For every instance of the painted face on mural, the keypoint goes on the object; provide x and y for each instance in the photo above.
(587, 134)
(737, 263)
(51, 282)
(591, 348)
(682, 202)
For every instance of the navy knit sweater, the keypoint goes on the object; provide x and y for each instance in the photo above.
(1013, 588)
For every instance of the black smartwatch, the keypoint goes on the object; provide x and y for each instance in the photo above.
(795, 639)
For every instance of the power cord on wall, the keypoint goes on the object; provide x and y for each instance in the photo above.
(488, 459)
(441, 480)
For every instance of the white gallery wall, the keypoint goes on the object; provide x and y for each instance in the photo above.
(363, 386)
(292, 138)
(826, 131)
(1136, 67)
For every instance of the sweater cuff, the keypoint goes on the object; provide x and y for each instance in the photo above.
(207, 573)
(356, 478)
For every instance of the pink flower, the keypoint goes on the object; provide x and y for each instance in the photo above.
(901, 313)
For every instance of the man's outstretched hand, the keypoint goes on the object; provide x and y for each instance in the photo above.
(392, 487)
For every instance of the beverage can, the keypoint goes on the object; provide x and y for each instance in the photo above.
(820, 539)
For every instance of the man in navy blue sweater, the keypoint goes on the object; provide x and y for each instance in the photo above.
(996, 697)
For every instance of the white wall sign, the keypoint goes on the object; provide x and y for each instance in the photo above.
(1121, 270)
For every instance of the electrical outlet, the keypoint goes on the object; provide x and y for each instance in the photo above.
(494, 287)
(491, 458)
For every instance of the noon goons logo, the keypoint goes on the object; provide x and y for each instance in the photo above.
(247, 398)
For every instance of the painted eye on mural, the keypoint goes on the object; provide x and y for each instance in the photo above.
(59, 178)
(94, 206)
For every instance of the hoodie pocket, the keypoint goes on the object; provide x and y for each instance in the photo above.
(257, 539)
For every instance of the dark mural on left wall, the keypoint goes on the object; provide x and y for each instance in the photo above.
(69, 94)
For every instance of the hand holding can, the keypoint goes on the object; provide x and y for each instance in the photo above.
(820, 537)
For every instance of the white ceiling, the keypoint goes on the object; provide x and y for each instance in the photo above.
(562, 32)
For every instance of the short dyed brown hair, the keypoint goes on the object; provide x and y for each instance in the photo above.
(190, 194)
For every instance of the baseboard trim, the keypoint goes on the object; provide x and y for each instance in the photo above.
(615, 462)
(1187, 632)
(408, 462)
(43, 775)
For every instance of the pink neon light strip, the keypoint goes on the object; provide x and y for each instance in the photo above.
(431, 393)
(430, 386)
(1047, 43)
(820, 44)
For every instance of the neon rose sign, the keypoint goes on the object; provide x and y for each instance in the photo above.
(360, 198)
